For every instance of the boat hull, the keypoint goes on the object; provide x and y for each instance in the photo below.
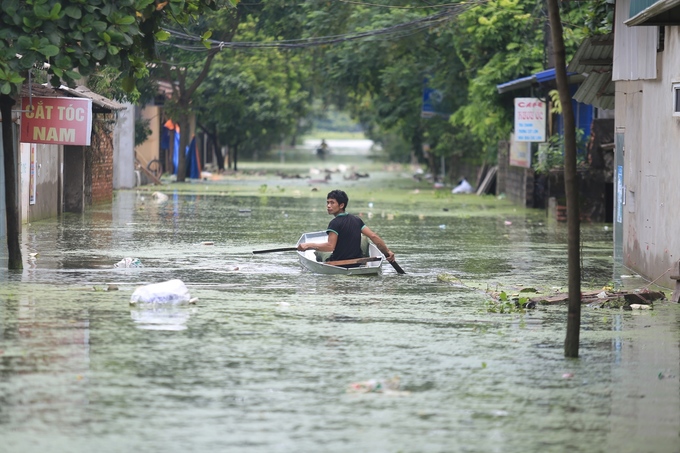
(308, 259)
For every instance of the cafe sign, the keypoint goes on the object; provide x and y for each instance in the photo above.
(530, 116)
(56, 121)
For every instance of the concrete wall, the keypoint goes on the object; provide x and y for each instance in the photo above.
(47, 188)
(651, 165)
(149, 150)
(124, 149)
(517, 183)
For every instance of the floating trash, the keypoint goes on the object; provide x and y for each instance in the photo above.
(129, 262)
(375, 386)
(159, 197)
(170, 292)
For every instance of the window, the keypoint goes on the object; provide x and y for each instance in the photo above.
(676, 99)
(661, 43)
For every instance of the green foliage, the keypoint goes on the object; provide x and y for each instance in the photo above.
(254, 100)
(142, 130)
(552, 156)
(330, 119)
(76, 37)
(505, 304)
(599, 17)
(502, 40)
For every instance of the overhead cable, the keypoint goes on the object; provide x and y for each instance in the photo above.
(405, 28)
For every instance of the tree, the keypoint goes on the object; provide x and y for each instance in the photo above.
(186, 67)
(381, 81)
(571, 342)
(69, 39)
(253, 101)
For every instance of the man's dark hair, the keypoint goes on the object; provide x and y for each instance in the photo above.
(338, 195)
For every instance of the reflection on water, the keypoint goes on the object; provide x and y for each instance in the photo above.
(263, 361)
(160, 317)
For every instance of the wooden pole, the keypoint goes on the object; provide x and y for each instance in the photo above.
(571, 342)
(11, 184)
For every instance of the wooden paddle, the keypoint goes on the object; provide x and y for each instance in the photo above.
(397, 267)
(283, 249)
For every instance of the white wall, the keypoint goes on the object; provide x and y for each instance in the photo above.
(124, 149)
(47, 182)
(651, 167)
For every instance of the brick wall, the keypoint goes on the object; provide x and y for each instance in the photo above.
(99, 161)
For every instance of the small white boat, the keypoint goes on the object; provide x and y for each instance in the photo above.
(315, 261)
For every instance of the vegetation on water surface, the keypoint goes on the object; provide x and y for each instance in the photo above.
(392, 190)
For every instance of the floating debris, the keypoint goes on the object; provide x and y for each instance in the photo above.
(109, 287)
(449, 278)
(159, 197)
(169, 292)
(129, 262)
(376, 386)
(609, 299)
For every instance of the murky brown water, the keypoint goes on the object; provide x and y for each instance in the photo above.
(263, 361)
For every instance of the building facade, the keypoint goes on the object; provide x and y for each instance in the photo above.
(646, 71)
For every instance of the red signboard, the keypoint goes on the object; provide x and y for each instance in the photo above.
(56, 121)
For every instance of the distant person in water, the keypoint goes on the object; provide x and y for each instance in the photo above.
(322, 150)
(344, 232)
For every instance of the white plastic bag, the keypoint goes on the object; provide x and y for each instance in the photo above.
(170, 292)
(462, 187)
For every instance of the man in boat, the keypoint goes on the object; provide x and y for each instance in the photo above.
(344, 232)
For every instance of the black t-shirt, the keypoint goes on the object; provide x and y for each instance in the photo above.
(348, 228)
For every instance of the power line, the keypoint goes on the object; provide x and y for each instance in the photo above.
(404, 28)
(378, 5)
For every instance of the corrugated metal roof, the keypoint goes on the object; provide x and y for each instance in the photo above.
(99, 103)
(597, 90)
(594, 58)
(97, 99)
(595, 54)
(662, 12)
(538, 78)
(545, 76)
(515, 84)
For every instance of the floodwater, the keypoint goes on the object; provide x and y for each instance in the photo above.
(264, 361)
